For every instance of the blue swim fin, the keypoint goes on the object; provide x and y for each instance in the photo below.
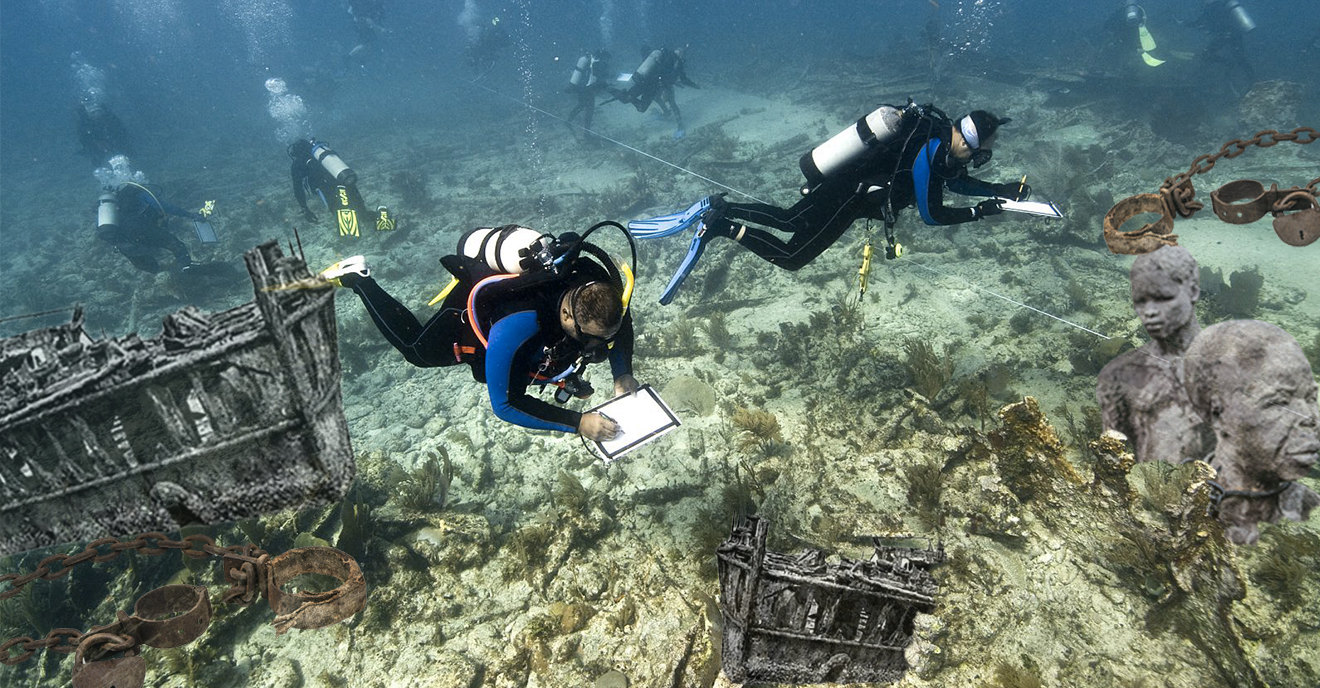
(695, 249)
(673, 223)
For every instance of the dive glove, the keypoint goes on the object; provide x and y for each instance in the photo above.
(988, 208)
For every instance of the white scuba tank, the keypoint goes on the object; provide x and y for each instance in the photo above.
(500, 247)
(333, 164)
(1244, 21)
(847, 146)
(581, 75)
(648, 65)
(107, 213)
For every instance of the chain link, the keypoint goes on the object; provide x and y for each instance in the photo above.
(65, 640)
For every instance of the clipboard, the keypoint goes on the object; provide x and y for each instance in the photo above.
(1038, 208)
(205, 231)
(643, 417)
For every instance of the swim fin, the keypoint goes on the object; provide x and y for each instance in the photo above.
(347, 271)
(673, 223)
(695, 249)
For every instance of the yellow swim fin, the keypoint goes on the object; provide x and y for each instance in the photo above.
(1150, 60)
(1147, 40)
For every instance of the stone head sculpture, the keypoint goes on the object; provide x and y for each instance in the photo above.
(1166, 285)
(1252, 383)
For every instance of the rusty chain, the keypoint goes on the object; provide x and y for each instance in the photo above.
(160, 619)
(243, 588)
(1177, 196)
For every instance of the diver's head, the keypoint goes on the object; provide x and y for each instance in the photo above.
(300, 149)
(974, 135)
(1133, 13)
(592, 314)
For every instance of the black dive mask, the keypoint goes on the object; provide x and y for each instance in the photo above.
(981, 156)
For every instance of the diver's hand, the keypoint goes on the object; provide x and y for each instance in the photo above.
(598, 428)
(309, 216)
(988, 208)
(1013, 192)
(625, 384)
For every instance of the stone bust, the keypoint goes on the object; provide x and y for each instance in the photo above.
(1252, 383)
(1141, 392)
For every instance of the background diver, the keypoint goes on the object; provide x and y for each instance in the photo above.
(654, 80)
(101, 134)
(905, 157)
(319, 170)
(591, 76)
(541, 334)
(134, 220)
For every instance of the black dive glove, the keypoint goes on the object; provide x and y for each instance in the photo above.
(988, 208)
(1012, 191)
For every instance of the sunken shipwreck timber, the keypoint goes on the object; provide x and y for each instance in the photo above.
(801, 619)
(223, 416)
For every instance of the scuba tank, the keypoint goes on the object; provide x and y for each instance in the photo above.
(1133, 13)
(107, 213)
(581, 73)
(1243, 20)
(509, 249)
(848, 146)
(648, 65)
(333, 164)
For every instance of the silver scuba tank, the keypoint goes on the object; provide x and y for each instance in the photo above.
(107, 213)
(333, 164)
(847, 146)
(648, 65)
(580, 72)
(507, 249)
(1244, 21)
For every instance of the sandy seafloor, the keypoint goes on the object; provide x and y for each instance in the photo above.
(549, 569)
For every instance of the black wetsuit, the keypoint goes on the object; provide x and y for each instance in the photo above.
(596, 81)
(102, 134)
(526, 344)
(668, 71)
(919, 167)
(311, 178)
(143, 229)
(1226, 48)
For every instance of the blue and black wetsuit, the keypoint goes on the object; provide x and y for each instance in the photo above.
(526, 345)
(143, 229)
(913, 174)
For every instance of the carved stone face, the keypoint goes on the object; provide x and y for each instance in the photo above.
(1273, 420)
(1164, 306)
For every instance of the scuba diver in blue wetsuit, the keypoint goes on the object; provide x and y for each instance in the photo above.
(135, 221)
(891, 159)
(518, 320)
(319, 170)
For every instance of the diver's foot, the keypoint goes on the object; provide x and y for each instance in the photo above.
(384, 220)
(347, 272)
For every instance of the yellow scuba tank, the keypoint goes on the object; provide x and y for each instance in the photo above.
(846, 147)
(333, 164)
(107, 213)
(648, 66)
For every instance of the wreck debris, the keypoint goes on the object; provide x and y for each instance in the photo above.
(802, 619)
(223, 416)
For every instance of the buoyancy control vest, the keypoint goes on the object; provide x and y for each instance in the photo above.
(494, 265)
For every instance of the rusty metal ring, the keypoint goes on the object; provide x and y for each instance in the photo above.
(187, 607)
(1150, 236)
(1241, 202)
(314, 610)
